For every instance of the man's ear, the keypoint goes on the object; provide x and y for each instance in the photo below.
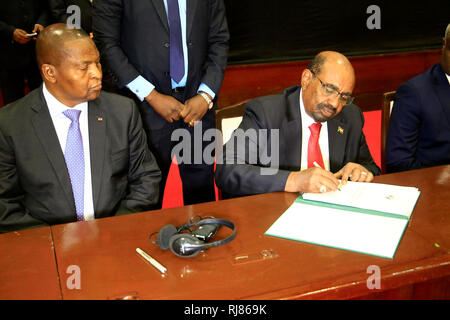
(48, 72)
(306, 78)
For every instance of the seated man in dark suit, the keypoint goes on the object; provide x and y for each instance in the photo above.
(69, 152)
(419, 126)
(312, 131)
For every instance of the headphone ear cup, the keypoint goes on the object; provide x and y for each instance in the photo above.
(165, 234)
(185, 245)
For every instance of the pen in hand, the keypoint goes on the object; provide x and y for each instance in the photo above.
(318, 166)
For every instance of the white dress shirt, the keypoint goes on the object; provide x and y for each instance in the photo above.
(306, 133)
(62, 124)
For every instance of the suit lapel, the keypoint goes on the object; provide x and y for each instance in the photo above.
(97, 146)
(337, 135)
(191, 6)
(46, 133)
(190, 14)
(293, 131)
(159, 6)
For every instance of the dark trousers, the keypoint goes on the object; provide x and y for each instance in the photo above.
(197, 178)
(12, 82)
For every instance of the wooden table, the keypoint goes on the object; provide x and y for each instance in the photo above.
(253, 265)
(27, 265)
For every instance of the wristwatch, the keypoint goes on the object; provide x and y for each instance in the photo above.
(206, 97)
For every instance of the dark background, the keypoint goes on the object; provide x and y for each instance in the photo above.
(276, 31)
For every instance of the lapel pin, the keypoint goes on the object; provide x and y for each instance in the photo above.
(340, 130)
(99, 119)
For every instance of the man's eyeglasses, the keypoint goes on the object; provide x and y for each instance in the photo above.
(331, 90)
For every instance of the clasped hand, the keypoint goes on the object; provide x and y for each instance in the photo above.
(320, 180)
(22, 37)
(171, 109)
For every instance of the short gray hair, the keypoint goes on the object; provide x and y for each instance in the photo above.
(316, 63)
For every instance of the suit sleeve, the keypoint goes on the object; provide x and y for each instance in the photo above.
(218, 38)
(13, 215)
(403, 135)
(6, 31)
(106, 26)
(143, 172)
(244, 167)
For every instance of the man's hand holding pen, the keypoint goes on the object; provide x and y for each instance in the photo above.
(317, 180)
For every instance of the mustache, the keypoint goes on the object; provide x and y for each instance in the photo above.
(321, 106)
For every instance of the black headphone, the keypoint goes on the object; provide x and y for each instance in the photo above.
(189, 244)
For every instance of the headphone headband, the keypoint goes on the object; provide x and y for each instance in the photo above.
(189, 244)
(221, 222)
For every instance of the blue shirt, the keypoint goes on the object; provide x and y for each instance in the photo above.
(141, 87)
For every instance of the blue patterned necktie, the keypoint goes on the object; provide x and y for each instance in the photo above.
(74, 156)
(176, 44)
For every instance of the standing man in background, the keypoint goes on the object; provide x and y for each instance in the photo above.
(172, 55)
(18, 21)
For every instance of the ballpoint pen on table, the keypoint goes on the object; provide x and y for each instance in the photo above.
(153, 262)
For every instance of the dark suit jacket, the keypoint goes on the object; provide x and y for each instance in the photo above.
(23, 15)
(419, 126)
(35, 186)
(133, 38)
(282, 112)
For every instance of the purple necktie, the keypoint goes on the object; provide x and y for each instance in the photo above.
(176, 44)
(74, 156)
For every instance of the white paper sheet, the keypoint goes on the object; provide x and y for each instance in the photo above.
(373, 196)
(355, 231)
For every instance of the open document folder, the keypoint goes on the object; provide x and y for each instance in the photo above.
(364, 217)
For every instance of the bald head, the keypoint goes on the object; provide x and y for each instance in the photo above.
(69, 63)
(333, 59)
(51, 43)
